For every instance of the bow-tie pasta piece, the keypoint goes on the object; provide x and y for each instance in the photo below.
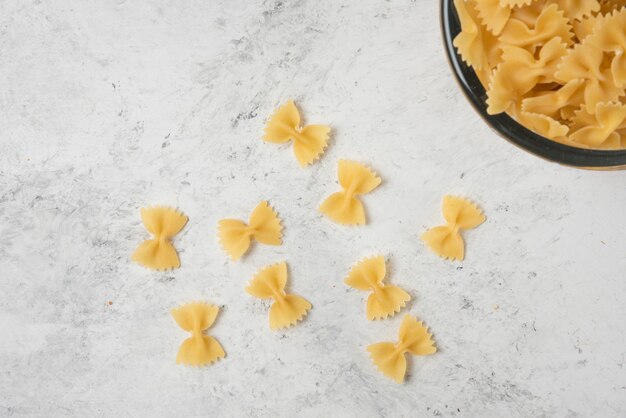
(446, 240)
(520, 72)
(478, 47)
(576, 10)
(585, 26)
(385, 300)
(585, 61)
(344, 207)
(493, 14)
(264, 226)
(413, 338)
(543, 125)
(269, 283)
(309, 142)
(600, 130)
(159, 253)
(611, 38)
(550, 24)
(199, 349)
(528, 14)
(550, 103)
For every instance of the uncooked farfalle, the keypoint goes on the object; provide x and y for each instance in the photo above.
(446, 240)
(309, 142)
(199, 349)
(344, 207)
(385, 300)
(269, 283)
(264, 226)
(413, 338)
(159, 253)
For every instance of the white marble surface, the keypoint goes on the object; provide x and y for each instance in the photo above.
(108, 106)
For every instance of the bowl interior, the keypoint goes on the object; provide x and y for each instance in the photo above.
(507, 126)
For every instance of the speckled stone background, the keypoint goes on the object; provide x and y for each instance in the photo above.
(108, 106)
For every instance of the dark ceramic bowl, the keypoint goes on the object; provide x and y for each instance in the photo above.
(506, 126)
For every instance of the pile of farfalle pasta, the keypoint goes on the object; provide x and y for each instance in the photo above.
(557, 66)
(263, 226)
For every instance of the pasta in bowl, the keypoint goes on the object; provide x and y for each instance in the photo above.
(548, 75)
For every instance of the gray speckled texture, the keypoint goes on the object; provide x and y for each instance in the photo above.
(108, 106)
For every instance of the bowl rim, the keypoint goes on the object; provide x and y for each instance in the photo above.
(507, 127)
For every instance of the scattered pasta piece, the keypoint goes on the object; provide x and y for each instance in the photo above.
(159, 253)
(413, 338)
(446, 240)
(199, 349)
(385, 300)
(286, 310)
(264, 226)
(344, 207)
(309, 142)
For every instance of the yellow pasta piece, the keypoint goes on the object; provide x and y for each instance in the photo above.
(413, 338)
(477, 46)
(550, 24)
(611, 37)
(521, 72)
(446, 240)
(578, 9)
(264, 226)
(529, 14)
(199, 349)
(344, 207)
(551, 102)
(585, 61)
(585, 26)
(159, 253)
(599, 130)
(493, 13)
(515, 3)
(385, 300)
(309, 142)
(269, 283)
(542, 124)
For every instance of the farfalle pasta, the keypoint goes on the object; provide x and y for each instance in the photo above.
(603, 128)
(199, 349)
(385, 300)
(550, 64)
(345, 207)
(263, 226)
(159, 253)
(520, 72)
(287, 309)
(611, 38)
(413, 338)
(446, 240)
(309, 142)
